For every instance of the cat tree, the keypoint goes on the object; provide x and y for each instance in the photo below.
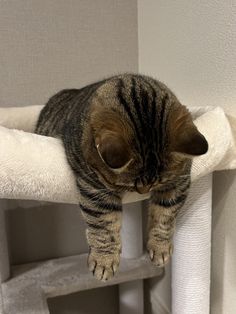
(28, 171)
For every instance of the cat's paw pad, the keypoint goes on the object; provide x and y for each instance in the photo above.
(103, 266)
(160, 252)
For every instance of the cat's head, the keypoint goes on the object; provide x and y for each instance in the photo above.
(139, 134)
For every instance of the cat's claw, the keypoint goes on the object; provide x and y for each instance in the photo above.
(103, 266)
(160, 252)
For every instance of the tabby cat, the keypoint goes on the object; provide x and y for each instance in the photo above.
(125, 133)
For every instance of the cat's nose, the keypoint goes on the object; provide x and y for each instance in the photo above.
(143, 189)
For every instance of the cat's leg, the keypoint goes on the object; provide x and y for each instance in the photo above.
(163, 209)
(103, 236)
(105, 246)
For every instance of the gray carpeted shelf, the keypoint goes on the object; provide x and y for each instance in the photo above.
(30, 285)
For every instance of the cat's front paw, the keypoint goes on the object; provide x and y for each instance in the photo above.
(103, 266)
(160, 252)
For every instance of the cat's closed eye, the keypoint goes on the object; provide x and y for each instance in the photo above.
(113, 150)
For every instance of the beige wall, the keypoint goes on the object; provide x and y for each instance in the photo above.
(191, 45)
(47, 46)
(50, 45)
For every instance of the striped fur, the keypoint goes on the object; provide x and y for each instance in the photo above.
(137, 123)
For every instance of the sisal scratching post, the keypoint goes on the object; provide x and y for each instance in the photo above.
(191, 262)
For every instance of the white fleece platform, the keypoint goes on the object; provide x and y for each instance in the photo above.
(34, 167)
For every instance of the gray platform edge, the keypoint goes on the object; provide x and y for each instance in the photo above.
(32, 284)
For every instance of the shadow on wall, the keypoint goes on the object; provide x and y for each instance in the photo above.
(105, 300)
(37, 232)
(223, 236)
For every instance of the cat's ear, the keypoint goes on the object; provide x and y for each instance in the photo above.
(185, 137)
(190, 141)
(112, 149)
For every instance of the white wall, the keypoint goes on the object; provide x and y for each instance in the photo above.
(191, 46)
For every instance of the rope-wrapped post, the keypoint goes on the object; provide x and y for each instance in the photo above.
(191, 262)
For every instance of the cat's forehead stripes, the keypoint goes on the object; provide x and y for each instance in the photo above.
(146, 106)
(143, 104)
(122, 95)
